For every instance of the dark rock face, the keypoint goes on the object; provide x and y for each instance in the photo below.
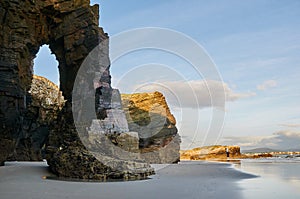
(71, 29)
(149, 115)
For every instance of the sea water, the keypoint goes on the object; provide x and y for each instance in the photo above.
(279, 177)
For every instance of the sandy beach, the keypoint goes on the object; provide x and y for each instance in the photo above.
(185, 180)
(197, 179)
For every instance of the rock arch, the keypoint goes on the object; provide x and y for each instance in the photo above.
(71, 29)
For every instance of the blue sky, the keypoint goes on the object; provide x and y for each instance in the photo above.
(255, 45)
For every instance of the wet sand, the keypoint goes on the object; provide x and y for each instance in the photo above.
(279, 178)
(185, 180)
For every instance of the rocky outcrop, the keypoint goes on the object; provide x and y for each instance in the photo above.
(211, 152)
(71, 29)
(149, 115)
(217, 152)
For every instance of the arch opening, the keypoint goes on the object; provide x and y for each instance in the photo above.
(43, 102)
(46, 65)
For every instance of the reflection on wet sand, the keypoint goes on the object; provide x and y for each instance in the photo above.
(279, 178)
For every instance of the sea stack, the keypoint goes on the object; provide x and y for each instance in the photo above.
(149, 115)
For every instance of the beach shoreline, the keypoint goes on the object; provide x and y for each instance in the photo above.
(188, 179)
(257, 178)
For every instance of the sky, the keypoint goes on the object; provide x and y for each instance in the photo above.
(253, 45)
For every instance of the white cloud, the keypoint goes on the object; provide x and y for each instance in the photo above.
(288, 134)
(267, 84)
(249, 141)
(290, 125)
(195, 94)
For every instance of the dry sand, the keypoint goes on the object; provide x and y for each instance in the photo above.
(24, 180)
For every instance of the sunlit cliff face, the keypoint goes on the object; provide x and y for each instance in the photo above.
(149, 115)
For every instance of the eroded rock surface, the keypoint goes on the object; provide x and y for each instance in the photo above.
(149, 115)
(71, 29)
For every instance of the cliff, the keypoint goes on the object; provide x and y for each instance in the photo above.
(210, 152)
(217, 152)
(149, 115)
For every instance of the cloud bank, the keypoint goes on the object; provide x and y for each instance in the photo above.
(195, 94)
(290, 125)
(284, 140)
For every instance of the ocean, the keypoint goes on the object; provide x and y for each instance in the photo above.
(278, 177)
